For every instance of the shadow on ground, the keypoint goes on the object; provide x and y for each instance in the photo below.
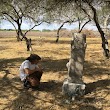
(101, 84)
(54, 65)
(92, 69)
(22, 99)
(4, 63)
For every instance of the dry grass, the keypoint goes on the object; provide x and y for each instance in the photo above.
(54, 58)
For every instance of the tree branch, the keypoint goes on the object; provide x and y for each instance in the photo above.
(32, 28)
(60, 29)
(84, 25)
(4, 13)
(11, 23)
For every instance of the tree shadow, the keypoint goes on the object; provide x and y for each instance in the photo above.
(88, 107)
(26, 100)
(48, 64)
(94, 69)
(54, 65)
(50, 85)
(4, 63)
(90, 87)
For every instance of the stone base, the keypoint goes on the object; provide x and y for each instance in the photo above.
(72, 90)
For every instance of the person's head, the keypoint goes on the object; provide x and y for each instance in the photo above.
(33, 58)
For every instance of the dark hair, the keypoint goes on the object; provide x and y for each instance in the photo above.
(33, 57)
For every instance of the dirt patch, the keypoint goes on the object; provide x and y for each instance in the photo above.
(54, 58)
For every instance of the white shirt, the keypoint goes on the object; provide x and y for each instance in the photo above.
(24, 65)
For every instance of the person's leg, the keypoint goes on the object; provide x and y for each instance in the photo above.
(26, 84)
(38, 75)
(34, 81)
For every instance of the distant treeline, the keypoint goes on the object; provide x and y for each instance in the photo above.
(14, 30)
(63, 32)
(44, 30)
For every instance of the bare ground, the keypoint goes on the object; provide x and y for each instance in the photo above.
(54, 58)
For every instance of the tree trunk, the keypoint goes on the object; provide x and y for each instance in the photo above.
(106, 22)
(75, 66)
(18, 36)
(104, 40)
(18, 31)
(28, 41)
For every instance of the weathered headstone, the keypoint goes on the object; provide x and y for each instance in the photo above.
(74, 85)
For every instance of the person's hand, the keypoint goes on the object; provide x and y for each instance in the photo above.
(38, 69)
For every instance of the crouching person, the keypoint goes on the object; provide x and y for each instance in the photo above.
(30, 72)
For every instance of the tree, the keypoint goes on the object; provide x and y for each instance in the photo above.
(104, 18)
(89, 8)
(96, 21)
(63, 13)
(18, 11)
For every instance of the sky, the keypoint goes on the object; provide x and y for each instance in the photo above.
(25, 25)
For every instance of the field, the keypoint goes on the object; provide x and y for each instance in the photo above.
(54, 58)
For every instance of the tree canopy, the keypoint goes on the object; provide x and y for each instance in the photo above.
(60, 11)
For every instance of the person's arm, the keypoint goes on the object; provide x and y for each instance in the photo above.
(28, 71)
(39, 68)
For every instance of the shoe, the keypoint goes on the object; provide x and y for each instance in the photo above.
(26, 84)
